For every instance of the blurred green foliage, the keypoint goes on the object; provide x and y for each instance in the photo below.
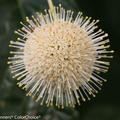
(13, 100)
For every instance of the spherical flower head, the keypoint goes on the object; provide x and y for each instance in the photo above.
(58, 58)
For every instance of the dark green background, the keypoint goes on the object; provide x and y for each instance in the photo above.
(106, 106)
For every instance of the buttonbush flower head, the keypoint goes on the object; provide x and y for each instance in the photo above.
(57, 58)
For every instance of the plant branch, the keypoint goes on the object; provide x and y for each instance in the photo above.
(20, 5)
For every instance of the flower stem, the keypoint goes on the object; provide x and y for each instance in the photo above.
(51, 6)
(19, 2)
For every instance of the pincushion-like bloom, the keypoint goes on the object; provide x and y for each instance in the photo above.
(57, 58)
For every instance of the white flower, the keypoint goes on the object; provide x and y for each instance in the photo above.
(57, 59)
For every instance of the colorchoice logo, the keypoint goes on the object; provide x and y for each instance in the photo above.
(20, 117)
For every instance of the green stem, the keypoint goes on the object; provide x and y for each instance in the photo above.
(20, 5)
